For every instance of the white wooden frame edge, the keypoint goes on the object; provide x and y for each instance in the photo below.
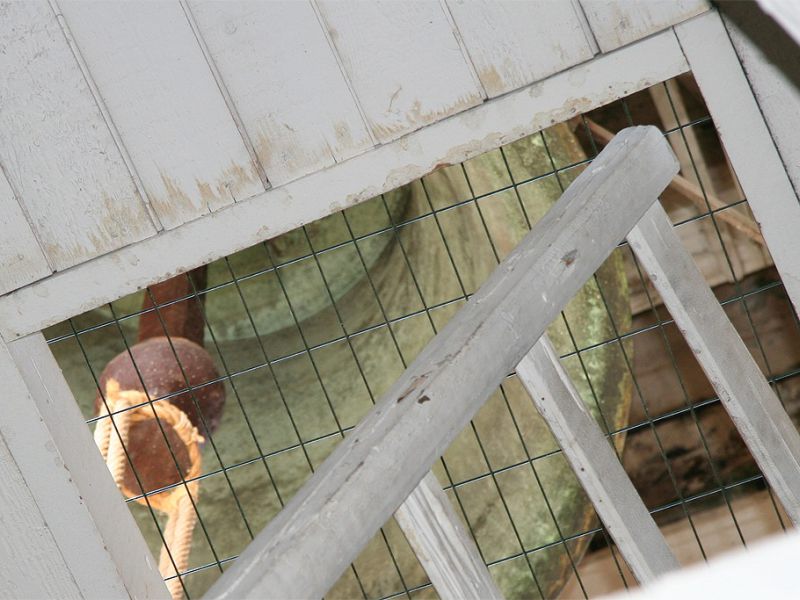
(497, 122)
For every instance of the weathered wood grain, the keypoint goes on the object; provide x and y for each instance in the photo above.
(752, 152)
(282, 74)
(368, 475)
(55, 148)
(279, 210)
(403, 61)
(595, 463)
(443, 547)
(31, 565)
(21, 257)
(616, 23)
(743, 390)
(85, 513)
(163, 99)
(513, 44)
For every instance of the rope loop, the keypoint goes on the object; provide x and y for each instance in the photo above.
(132, 407)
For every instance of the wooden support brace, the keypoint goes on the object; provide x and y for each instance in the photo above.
(594, 462)
(744, 134)
(753, 406)
(442, 545)
(322, 529)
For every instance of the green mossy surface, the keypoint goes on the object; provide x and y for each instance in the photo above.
(310, 397)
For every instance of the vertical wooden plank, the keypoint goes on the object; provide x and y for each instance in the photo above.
(772, 66)
(21, 257)
(514, 43)
(50, 442)
(403, 61)
(443, 547)
(595, 464)
(746, 138)
(616, 23)
(31, 565)
(753, 406)
(55, 148)
(283, 77)
(162, 97)
(366, 478)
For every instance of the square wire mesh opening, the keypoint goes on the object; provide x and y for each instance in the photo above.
(303, 333)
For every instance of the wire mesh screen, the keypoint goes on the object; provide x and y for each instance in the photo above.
(273, 354)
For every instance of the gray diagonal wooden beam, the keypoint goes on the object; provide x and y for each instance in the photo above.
(752, 405)
(595, 464)
(306, 547)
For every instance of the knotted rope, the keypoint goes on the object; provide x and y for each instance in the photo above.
(177, 502)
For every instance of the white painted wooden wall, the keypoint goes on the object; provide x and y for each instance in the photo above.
(123, 121)
(139, 140)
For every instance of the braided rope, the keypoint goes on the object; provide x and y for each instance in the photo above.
(176, 503)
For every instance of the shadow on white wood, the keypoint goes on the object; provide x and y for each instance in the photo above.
(442, 545)
(31, 565)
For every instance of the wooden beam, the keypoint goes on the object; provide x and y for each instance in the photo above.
(595, 463)
(442, 545)
(84, 512)
(761, 420)
(323, 528)
(284, 208)
(747, 140)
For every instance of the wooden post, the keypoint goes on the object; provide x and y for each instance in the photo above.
(443, 547)
(747, 140)
(322, 529)
(595, 464)
(753, 406)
